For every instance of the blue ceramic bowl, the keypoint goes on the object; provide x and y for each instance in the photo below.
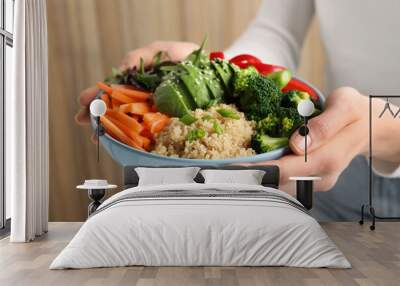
(126, 155)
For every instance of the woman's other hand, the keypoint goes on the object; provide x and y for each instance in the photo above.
(176, 51)
(336, 136)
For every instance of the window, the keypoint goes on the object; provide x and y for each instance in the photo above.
(6, 65)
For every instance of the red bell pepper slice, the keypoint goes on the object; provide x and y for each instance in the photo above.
(217, 54)
(265, 69)
(245, 58)
(295, 84)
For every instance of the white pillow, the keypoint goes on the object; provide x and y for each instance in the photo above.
(165, 176)
(248, 177)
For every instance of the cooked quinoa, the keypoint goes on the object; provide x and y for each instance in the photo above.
(220, 137)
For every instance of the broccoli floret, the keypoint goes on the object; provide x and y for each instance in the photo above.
(262, 143)
(287, 125)
(283, 123)
(290, 120)
(292, 98)
(258, 97)
(269, 125)
(242, 78)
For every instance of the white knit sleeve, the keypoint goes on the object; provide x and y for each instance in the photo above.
(277, 33)
(386, 169)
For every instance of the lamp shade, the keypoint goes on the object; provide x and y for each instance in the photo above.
(98, 107)
(305, 108)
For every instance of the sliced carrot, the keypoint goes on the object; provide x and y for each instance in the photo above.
(115, 103)
(159, 125)
(109, 125)
(133, 93)
(146, 133)
(110, 132)
(136, 137)
(105, 87)
(154, 108)
(132, 134)
(136, 117)
(130, 122)
(113, 129)
(155, 122)
(146, 143)
(106, 98)
(140, 108)
(151, 117)
(121, 97)
(125, 108)
(114, 86)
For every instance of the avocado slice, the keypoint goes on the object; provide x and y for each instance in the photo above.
(229, 69)
(194, 81)
(225, 74)
(171, 98)
(214, 84)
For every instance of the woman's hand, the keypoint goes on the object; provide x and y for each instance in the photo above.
(338, 135)
(176, 51)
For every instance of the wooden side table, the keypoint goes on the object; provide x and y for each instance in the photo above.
(96, 191)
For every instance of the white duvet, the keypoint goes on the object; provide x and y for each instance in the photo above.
(183, 231)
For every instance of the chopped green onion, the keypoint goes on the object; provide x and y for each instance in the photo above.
(228, 113)
(200, 133)
(207, 117)
(191, 135)
(157, 58)
(141, 66)
(217, 128)
(188, 119)
(195, 134)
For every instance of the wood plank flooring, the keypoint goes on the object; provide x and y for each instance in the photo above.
(375, 257)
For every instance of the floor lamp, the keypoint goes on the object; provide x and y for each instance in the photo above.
(370, 206)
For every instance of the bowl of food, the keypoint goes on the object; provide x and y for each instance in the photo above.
(204, 110)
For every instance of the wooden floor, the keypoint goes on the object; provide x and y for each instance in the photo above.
(375, 257)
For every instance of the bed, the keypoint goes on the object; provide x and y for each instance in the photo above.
(201, 224)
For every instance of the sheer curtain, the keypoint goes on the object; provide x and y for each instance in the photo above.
(27, 124)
